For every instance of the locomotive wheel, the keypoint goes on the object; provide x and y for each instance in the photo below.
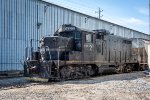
(90, 71)
(73, 75)
(143, 67)
(76, 72)
(65, 73)
(128, 69)
(146, 67)
(119, 69)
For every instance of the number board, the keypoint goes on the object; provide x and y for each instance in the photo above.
(70, 28)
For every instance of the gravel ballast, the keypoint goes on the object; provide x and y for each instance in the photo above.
(129, 86)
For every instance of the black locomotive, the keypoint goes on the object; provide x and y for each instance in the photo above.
(76, 53)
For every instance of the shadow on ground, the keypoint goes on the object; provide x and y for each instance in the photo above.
(22, 82)
(103, 78)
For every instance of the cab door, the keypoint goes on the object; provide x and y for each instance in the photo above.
(88, 47)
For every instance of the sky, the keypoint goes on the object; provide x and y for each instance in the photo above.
(133, 14)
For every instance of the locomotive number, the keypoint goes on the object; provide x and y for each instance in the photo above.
(69, 28)
(89, 47)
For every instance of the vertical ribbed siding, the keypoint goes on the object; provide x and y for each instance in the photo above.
(0, 25)
(24, 20)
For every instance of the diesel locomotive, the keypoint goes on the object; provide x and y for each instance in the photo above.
(73, 53)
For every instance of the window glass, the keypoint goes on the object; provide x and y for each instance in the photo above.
(75, 35)
(78, 35)
(98, 36)
(88, 38)
(67, 34)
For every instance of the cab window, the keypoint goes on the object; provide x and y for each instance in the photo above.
(88, 38)
(71, 34)
(77, 35)
(78, 43)
(99, 36)
(67, 34)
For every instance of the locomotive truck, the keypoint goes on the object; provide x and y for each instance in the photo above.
(73, 53)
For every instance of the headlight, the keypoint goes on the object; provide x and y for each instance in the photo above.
(28, 58)
(42, 43)
(42, 58)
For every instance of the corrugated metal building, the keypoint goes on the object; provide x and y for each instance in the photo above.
(24, 20)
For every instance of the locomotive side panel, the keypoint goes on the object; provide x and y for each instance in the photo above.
(119, 50)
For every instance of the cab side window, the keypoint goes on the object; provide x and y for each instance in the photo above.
(78, 41)
(88, 38)
(101, 37)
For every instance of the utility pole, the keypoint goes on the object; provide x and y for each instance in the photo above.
(149, 39)
(99, 12)
(149, 19)
(148, 49)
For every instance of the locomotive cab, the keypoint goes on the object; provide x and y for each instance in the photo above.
(83, 43)
(73, 33)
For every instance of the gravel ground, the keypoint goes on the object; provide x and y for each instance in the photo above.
(10, 83)
(133, 86)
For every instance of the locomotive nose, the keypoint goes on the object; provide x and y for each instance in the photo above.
(40, 69)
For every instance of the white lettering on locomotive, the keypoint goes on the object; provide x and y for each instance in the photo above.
(69, 28)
